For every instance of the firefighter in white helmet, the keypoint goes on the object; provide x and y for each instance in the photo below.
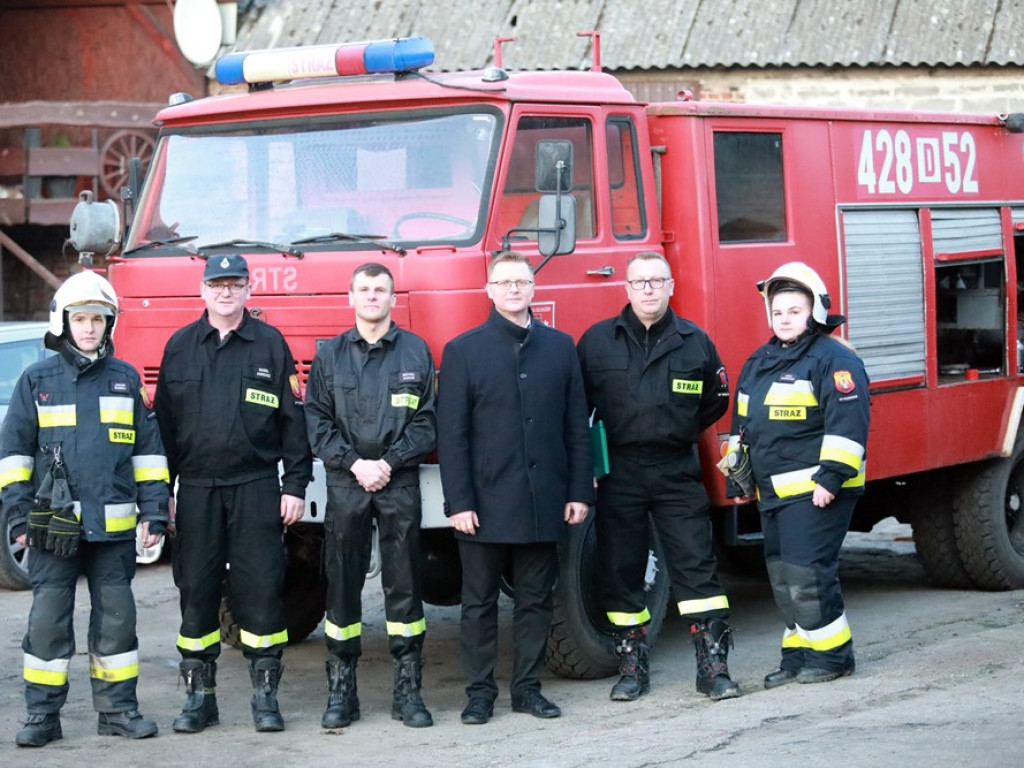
(80, 452)
(802, 415)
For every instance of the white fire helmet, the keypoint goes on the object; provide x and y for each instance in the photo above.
(801, 274)
(84, 292)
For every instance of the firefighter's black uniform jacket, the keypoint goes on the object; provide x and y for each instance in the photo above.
(229, 411)
(391, 420)
(656, 390)
(94, 412)
(372, 401)
(803, 412)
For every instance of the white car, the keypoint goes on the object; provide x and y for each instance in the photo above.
(21, 344)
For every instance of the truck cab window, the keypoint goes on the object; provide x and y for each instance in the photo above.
(520, 197)
(749, 187)
(626, 191)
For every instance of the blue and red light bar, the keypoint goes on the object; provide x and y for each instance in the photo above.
(378, 57)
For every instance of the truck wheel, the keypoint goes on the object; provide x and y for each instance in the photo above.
(988, 521)
(931, 517)
(305, 596)
(13, 558)
(580, 645)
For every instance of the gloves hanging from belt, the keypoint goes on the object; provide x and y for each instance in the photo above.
(40, 514)
(64, 531)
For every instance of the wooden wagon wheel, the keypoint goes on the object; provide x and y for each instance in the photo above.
(117, 151)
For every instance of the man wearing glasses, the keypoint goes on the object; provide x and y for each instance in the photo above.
(657, 382)
(515, 469)
(229, 407)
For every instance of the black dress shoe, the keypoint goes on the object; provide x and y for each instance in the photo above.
(533, 703)
(478, 711)
(779, 677)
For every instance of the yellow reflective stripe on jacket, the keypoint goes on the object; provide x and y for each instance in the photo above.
(799, 481)
(842, 450)
(263, 641)
(116, 668)
(198, 643)
(742, 403)
(119, 517)
(56, 415)
(824, 639)
(629, 619)
(398, 629)
(794, 393)
(117, 410)
(702, 605)
(45, 672)
(332, 630)
(150, 467)
(16, 469)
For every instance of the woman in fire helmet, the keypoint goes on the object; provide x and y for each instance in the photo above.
(79, 451)
(801, 415)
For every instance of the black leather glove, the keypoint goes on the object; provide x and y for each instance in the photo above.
(38, 523)
(63, 533)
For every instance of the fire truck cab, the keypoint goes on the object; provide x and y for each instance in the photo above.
(338, 155)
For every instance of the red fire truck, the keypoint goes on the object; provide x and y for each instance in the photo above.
(337, 155)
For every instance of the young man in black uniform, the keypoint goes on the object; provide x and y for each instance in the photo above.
(657, 382)
(370, 419)
(228, 403)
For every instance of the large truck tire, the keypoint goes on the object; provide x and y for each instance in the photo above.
(305, 587)
(931, 517)
(13, 558)
(580, 646)
(988, 521)
(304, 598)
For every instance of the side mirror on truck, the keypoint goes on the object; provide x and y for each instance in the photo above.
(95, 227)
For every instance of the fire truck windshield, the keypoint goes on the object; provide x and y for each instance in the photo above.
(416, 178)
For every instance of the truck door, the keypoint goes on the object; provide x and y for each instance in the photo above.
(575, 290)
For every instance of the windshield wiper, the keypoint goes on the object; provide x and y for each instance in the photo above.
(159, 244)
(335, 237)
(242, 244)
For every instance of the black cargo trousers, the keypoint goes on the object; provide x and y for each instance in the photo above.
(238, 525)
(348, 530)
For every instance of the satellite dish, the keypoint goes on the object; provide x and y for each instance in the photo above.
(198, 28)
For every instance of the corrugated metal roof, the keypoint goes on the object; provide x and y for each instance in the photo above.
(662, 34)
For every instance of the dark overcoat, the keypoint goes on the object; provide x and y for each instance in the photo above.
(512, 432)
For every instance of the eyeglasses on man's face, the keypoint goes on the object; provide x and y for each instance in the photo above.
(506, 285)
(654, 282)
(218, 286)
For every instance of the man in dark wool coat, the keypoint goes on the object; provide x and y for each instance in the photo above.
(516, 469)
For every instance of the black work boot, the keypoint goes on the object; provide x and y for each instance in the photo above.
(342, 694)
(266, 675)
(39, 730)
(712, 640)
(200, 708)
(130, 724)
(634, 667)
(408, 705)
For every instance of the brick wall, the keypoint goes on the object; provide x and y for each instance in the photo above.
(947, 90)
